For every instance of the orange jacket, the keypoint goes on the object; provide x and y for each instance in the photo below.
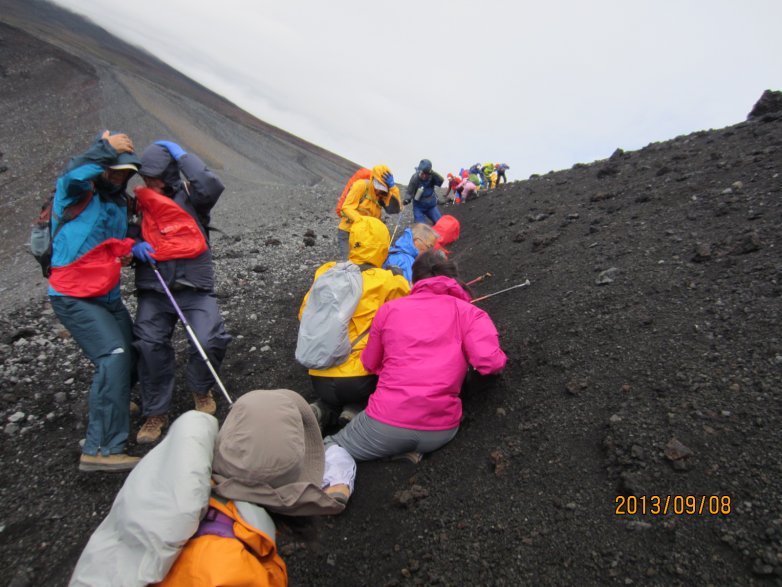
(250, 561)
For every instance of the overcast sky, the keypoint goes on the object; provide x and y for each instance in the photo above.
(539, 85)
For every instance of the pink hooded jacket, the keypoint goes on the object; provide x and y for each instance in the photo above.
(420, 347)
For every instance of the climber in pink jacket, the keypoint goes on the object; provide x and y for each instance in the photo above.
(420, 346)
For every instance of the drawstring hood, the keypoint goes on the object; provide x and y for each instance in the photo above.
(157, 162)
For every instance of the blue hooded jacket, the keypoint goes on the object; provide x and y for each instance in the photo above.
(402, 254)
(105, 217)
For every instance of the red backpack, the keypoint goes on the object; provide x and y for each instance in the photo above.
(362, 173)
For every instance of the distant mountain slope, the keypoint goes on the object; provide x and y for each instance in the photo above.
(63, 79)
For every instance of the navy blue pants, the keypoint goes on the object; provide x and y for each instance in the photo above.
(156, 319)
(426, 208)
(103, 331)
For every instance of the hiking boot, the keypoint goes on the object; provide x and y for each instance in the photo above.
(339, 492)
(205, 403)
(134, 409)
(151, 429)
(109, 463)
(348, 412)
(411, 457)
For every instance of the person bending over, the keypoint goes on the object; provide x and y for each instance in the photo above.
(420, 346)
(342, 390)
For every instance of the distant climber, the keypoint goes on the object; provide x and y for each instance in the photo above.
(453, 182)
(421, 191)
(501, 169)
(467, 190)
(487, 170)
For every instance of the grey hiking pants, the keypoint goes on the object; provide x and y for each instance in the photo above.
(155, 321)
(367, 439)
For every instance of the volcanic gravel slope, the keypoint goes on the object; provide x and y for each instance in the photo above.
(644, 360)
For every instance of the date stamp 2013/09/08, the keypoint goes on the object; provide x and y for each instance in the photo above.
(679, 505)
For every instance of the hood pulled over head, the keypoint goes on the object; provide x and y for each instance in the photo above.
(369, 241)
(379, 174)
(157, 162)
(269, 451)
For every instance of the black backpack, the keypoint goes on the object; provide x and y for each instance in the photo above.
(41, 236)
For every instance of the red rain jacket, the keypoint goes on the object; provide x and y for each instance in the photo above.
(172, 232)
(93, 274)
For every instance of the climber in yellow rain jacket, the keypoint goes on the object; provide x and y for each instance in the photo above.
(368, 197)
(343, 389)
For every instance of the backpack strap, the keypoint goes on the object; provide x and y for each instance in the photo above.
(366, 195)
(70, 212)
(355, 341)
(358, 339)
(199, 217)
(216, 523)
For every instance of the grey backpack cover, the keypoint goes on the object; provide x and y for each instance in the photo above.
(323, 340)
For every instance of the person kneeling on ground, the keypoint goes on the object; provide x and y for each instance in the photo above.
(343, 389)
(173, 525)
(421, 345)
(448, 229)
(414, 240)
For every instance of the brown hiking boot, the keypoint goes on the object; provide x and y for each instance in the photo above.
(109, 463)
(205, 403)
(151, 429)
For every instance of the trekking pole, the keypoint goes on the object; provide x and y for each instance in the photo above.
(191, 334)
(525, 284)
(398, 219)
(479, 279)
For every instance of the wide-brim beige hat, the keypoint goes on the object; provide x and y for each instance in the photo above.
(269, 451)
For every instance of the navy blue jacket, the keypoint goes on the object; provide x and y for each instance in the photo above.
(197, 197)
(434, 180)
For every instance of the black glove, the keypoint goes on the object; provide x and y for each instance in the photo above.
(406, 201)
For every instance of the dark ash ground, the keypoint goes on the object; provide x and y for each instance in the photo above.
(645, 359)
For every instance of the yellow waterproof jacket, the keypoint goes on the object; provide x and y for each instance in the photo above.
(362, 200)
(369, 241)
(209, 560)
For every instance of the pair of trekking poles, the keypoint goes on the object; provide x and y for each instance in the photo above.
(526, 283)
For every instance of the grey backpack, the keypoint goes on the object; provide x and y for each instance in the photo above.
(323, 340)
